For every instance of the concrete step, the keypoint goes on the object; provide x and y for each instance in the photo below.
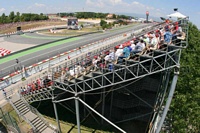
(15, 98)
(36, 121)
(48, 130)
(22, 107)
(17, 103)
(30, 116)
(41, 127)
(25, 112)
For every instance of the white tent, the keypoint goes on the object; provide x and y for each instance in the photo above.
(177, 15)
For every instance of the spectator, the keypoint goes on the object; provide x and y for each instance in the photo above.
(126, 54)
(139, 47)
(167, 36)
(153, 42)
(119, 52)
(4, 93)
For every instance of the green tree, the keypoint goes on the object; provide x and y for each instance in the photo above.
(17, 17)
(103, 22)
(114, 16)
(3, 18)
(186, 103)
(12, 16)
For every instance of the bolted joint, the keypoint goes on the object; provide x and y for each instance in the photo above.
(177, 69)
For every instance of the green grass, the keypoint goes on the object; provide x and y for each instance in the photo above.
(38, 37)
(66, 32)
(65, 127)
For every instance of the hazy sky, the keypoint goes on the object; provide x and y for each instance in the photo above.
(156, 8)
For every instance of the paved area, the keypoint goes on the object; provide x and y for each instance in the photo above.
(9, 45)
(32, 38)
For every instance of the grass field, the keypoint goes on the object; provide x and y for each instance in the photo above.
(66, 32)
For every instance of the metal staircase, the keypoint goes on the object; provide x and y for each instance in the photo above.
(31, 115)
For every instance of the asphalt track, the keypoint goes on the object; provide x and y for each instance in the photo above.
(29, 57)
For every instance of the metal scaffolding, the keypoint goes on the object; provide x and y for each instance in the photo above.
(127, 85)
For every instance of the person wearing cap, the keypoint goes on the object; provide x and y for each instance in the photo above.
(119, 52)
(139, 47)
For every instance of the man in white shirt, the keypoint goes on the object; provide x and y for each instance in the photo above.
(119, 52)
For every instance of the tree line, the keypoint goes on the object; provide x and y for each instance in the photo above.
(185, 106)
(86, 15)
(24, 17)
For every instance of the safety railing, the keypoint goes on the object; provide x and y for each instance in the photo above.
(22, 116)
(35, 68)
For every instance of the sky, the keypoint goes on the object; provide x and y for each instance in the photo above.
(156, 8)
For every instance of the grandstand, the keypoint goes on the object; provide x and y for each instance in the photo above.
(125, 91)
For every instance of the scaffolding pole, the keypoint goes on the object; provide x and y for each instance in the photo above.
(56, 114)
(77, 115)
(170, 96)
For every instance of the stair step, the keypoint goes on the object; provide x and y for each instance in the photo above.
(25, 112)
(80, 78)
(72, 81)
(18, 102)
(89, 75)
(98, 72)
(22, 109)
(48, 130)
(20, 105)
(36, 121)
(43, 128)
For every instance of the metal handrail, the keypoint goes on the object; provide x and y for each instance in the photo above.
(23, 117)
(35, 111)
(13, 129)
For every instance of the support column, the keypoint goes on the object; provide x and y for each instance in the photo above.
(57, 119)
(170, 96)
(103, 104)
(77, 114)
